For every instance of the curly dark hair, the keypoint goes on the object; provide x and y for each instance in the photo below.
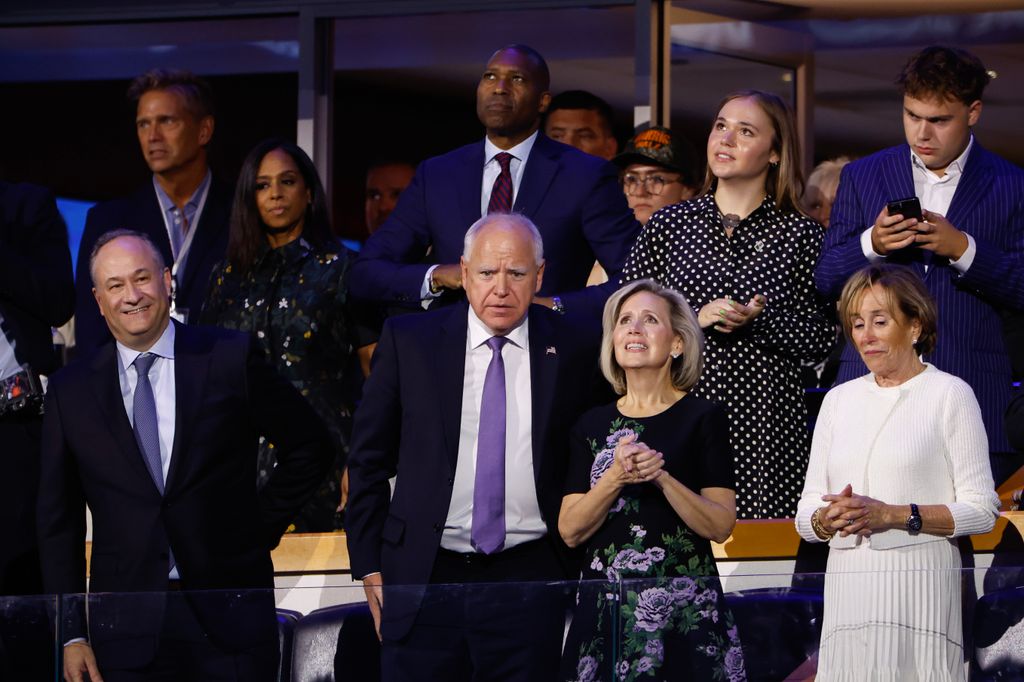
(945, 72)
(247, 237)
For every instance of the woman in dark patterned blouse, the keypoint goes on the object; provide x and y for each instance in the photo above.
(744, 255)
(284, 281)
(650, 483)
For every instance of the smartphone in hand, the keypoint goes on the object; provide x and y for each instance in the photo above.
(908, 208)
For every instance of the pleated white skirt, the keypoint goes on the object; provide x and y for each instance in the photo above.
(893, 615)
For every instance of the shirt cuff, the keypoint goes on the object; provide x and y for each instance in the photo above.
(425, 293)
(370, 574)
(963, 263)
(867, 248)
(76, 640)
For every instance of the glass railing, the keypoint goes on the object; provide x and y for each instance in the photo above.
(753, 627)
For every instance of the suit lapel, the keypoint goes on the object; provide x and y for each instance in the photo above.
(190, 369)
(541, 168)
(467, 177)
(107, 386)
(974, 183)
(543, 375)
(898, 178)
(451, 371)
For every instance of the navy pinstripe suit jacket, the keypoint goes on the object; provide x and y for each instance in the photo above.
(989, 206)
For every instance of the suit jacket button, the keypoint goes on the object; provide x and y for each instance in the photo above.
(451, 482)
(438, 527)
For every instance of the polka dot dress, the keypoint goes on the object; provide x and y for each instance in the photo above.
(755, 371)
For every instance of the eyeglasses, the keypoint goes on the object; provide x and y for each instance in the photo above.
(654, 184)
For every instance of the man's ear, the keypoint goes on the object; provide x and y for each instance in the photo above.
(540, 276)
(974, 112)
(206, 125)
(96, 295)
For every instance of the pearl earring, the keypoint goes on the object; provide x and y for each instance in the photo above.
(675, 356)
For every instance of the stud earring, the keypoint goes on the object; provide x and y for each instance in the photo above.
(675, 356)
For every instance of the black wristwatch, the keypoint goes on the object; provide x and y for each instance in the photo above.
(914, 520)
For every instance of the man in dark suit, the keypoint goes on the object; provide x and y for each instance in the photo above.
(968, 248)
(36, 293)
(573, 198)
(470, 406)
(184, 210)
(158, 434)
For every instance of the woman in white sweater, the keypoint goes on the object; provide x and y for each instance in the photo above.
(899, 466)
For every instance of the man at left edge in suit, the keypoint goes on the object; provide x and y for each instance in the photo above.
(573, 198)
(182, 208)
(36, 294)
(474, 498)
(157, 432)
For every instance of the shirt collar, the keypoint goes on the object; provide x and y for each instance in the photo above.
(164, 348)
(479, 333)
(192, 205)
(952, 170)
(521, 151)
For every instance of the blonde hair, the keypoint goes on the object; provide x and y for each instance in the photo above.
(687, 367)
(903, 290)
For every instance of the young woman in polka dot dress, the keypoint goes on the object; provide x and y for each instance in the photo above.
(744, 255)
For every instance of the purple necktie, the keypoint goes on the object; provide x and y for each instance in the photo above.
(501, 192)
(488, 534)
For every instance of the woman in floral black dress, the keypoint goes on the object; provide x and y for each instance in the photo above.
(743, 256)
(284, 281)
(650, 484)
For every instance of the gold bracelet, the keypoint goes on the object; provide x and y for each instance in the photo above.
(818, 528)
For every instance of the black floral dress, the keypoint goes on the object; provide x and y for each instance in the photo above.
(294, 303)
(753, 372)
(650, 606)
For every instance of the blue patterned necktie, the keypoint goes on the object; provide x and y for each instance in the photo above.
(147, 433)
(488, 532)
(501, 191)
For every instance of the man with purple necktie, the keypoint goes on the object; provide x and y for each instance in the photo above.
(470, 407)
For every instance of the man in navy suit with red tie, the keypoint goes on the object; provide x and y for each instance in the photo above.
(573, 198)
(968, 250)
(470, 406)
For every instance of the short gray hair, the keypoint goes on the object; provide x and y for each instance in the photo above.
(687, 367)
(110, 236)
(516, 220)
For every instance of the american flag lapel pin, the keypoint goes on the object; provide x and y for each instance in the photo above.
(551, 351)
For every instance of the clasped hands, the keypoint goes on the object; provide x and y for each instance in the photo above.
(727, 315)
(850, 514)
(935, 234)
(634, 462)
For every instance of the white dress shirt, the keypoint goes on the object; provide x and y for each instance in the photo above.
(492, 169)
(523, 521)
(936, 194)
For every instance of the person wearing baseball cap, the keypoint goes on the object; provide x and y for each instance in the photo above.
(659, 168)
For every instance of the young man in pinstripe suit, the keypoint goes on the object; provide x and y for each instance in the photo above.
(969, 247)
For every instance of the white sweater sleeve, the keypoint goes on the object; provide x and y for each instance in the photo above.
(816, 481)
(977, 505)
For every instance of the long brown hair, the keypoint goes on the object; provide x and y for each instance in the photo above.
(785, 181)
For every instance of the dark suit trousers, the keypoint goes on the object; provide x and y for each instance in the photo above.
(185, 652)
(484, 618)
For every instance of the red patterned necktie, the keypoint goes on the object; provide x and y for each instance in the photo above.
(501, 192)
